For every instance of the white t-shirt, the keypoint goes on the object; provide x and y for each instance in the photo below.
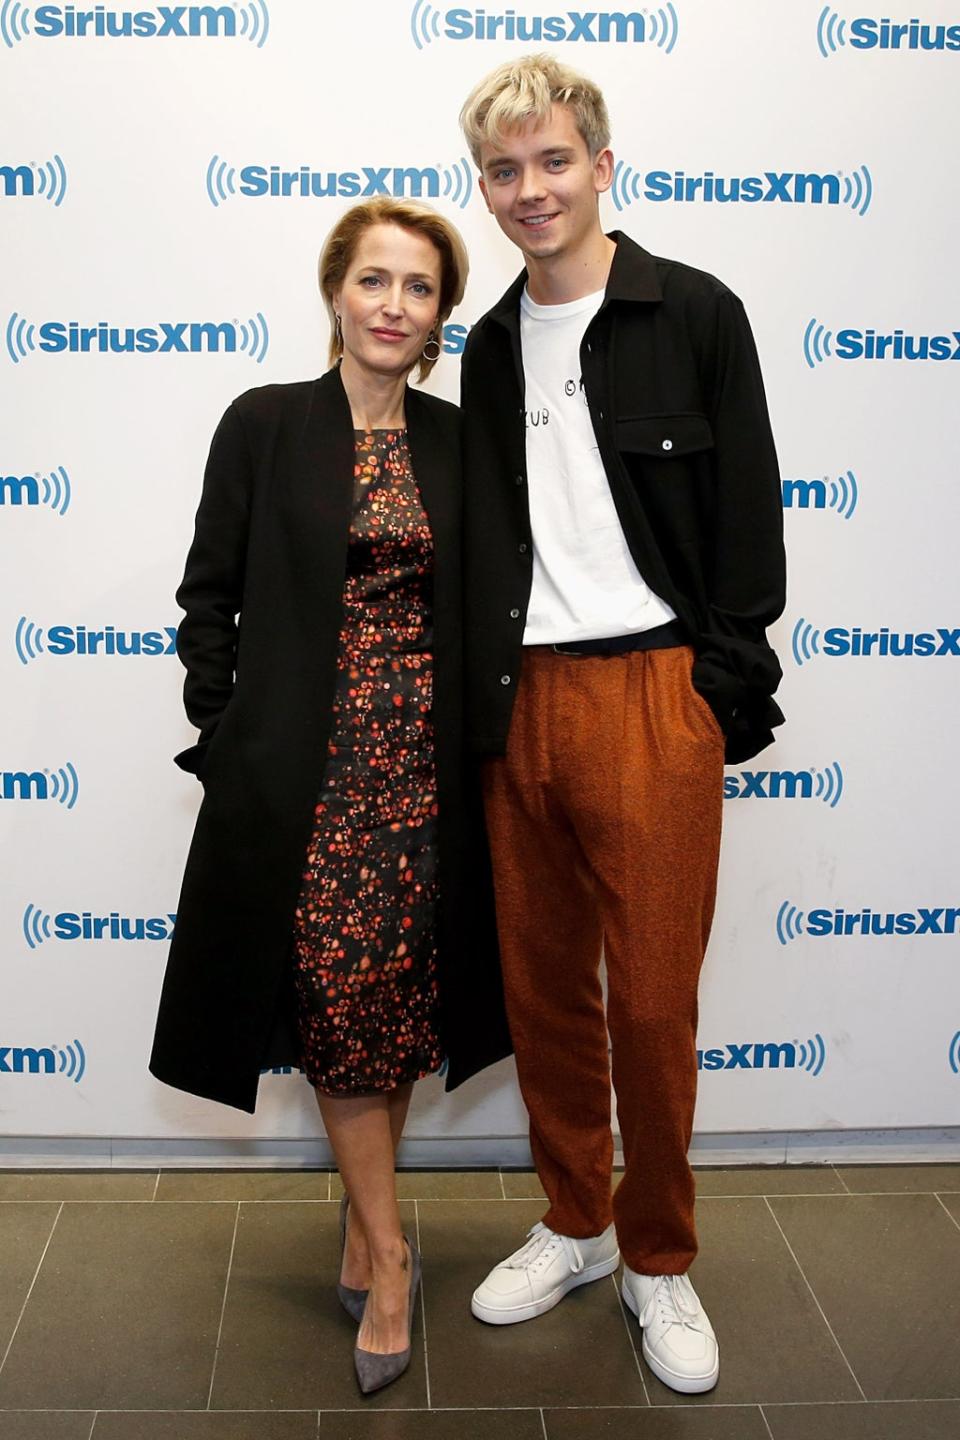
(585, 583)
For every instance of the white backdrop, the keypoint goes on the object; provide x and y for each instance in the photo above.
(799, 151)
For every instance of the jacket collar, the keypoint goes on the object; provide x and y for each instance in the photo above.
(633, 277)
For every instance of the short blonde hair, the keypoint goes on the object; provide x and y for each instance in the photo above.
(524, 90)
(341, 244)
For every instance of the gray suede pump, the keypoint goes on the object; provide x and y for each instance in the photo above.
(352, 1301)
(376, 1371)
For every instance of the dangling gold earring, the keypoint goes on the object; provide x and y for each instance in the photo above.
(431, 340)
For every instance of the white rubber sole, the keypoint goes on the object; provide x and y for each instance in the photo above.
(513, 1315)
(685, 1384)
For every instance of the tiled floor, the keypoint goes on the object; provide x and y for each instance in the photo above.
(181, 1306)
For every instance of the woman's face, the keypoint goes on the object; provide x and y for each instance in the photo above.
(389, 299)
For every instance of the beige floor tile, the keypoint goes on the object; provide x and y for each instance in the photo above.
(774, 1344)
(244, 1185)
(529, 1364)
(886, 1270)
(77, 1184)
(863, 1179)
(127, 1301)
(286, 1342)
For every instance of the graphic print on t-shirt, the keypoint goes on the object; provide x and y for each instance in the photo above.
(585, 583)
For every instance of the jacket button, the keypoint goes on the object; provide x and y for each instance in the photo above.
(504, 679)
(514, 614)
(666, 445)
(522, 547)
(518, 479)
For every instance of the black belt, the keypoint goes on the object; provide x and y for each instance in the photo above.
(661, 637)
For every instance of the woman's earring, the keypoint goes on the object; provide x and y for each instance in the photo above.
(437, 347)
(338, 331)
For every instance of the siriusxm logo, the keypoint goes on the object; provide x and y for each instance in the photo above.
(53, 490)
(953, 1053)
(840, 494)
(813, 784)
(868, 33)
(854, 643)
(818, 345)
(793, 922)
(807, 1055)
(451, 182)
(249, 21)
(48, 180)
(182, 337)
(658, 27)
(786, 187)
(32, 641)
(59, 785)
(39, 926)
(67, 1060)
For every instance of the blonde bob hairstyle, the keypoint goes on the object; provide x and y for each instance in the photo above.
(524, 90)
(341, 245)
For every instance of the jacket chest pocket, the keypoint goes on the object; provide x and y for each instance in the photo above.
(669, 460)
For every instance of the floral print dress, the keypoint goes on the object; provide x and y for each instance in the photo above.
(364, 927)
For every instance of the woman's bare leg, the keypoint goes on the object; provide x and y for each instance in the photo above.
(361, 1131)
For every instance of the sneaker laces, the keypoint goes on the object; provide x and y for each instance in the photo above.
(543, 1246)
(677, 1303)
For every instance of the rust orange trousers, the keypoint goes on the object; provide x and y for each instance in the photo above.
(604, 823)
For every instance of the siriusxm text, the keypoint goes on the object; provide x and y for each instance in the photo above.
(179, 337)
(27, 1060)
(867, 33)
(748, 1057)
(896, 345)
(590, 26)
(71, 925)
(769, 785)
(396, 180)
(163, 22)
(78, 640)
(787, 186)
(839, 640)
(940, 920)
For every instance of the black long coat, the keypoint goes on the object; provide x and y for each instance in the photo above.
(270, 548)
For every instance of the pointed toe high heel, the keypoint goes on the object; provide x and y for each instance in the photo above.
(376, 1371)
(352, 1301)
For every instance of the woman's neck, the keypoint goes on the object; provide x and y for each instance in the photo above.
(376, 401)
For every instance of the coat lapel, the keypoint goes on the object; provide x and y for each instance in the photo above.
(435, 467)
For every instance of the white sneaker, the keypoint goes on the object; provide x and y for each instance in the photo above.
(538, 1275)
(678, 1340)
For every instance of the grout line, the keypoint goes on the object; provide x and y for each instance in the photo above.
(626, 1321)
(543, 1424)
(423, 1309)
(156, 1187)
(223, 1306)
(93, 1424)
(949, 1214)
(841, 1179)
(503, 1188)
(765, 1421)
(317, 1437)
(815, 1300)
(30, 1291)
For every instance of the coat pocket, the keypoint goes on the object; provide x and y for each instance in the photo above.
(669, 462)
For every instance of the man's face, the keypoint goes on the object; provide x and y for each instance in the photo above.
(542, 186)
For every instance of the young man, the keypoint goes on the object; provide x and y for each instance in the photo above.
(623, 557)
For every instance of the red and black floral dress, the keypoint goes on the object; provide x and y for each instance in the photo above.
(364, 928)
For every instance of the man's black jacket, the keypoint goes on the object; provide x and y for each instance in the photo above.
(675, 394)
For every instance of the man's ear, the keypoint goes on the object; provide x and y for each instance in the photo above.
(603, 170)
(483, 191)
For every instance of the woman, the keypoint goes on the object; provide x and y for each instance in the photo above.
(333, 876)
